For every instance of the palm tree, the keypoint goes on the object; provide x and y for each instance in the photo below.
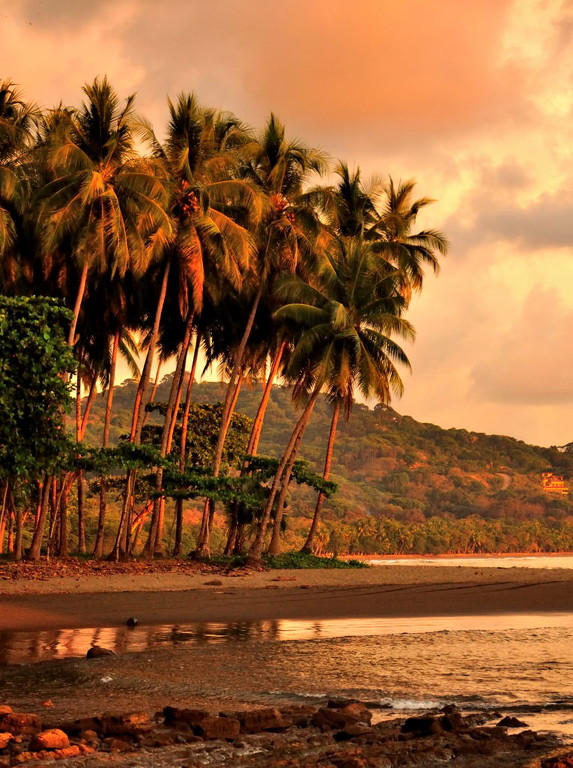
(17, 120)
(279, 169)
(348, 319)
(206, 237)
(103, 202)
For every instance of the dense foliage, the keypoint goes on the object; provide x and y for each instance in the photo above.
(33, 392)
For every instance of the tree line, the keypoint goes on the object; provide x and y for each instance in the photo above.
(214, 237)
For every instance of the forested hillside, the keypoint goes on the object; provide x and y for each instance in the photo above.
(404, 485)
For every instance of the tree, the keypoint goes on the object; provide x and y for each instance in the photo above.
(349, 320)
(33, 395)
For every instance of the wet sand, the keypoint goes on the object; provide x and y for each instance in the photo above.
(175, 598)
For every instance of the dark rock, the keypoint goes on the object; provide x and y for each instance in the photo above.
(130, 724)
(132, 622)
(213, 583)
(189, 716)
(335, 719)
(299, 714)
(96, 652)
(257, 720)
(118, 745)
(426, 725)
(512, 722)
(353, 731)
(225, 728)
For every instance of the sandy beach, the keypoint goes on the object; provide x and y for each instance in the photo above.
(106, 599)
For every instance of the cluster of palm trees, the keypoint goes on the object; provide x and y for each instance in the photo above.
(219, 238)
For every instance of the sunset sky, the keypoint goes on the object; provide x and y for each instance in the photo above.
(473, 99)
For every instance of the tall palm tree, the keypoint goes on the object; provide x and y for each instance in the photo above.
(208, 205)
(17, 121)
(349, 318)
(103, 202)
(279, 168)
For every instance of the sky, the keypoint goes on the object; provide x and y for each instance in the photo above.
(472, 99)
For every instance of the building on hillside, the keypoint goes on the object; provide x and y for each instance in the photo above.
(551, 483)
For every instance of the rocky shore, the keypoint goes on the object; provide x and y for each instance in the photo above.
(343, 734)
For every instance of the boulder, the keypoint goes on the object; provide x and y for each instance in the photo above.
(257, 720)
(191, 717)
(97, 652)
(512, 722)
(5, 709)
(125, 725)
(225, 728)
(5, 739)
(20, 722)
(358, 710)
(425, 725)
(336, 719)
(54, 738)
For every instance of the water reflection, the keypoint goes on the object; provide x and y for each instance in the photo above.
(33, 646)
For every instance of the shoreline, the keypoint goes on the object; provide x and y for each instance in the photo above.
(174, 598)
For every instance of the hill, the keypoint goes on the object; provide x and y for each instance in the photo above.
(406, 485)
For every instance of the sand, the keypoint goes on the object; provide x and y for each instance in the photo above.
(108, 599)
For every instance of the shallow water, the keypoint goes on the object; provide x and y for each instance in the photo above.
(521, 664)
(547, 561)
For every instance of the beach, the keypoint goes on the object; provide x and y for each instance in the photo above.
(109, 598)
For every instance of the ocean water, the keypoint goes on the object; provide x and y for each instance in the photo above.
(519, 664)
(547, 561)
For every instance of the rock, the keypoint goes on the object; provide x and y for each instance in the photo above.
(257, 720)
(192, 717)
(353, 731)
(299, 714)
(558, 761)
(5, 709)
(512, 722)
(426, 725)
(335, 719)
(125, 725)
(357, 710)
(132, 622)
(51, 739)
(48, 703)
(96, 652)
(19, 722)
(219, 728)
(213, 583)
(5, 739)
(118, 745)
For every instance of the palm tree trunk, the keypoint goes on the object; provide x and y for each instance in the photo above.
(309, 543)
(255, 436)
(137, 424)
(154, 545)
(3, 515)
(80, 477)
(253, 444)
(209, 508)
(153, 390)
(256, 549)
(204, 544)
(36, 543)
(183, 446)
(78, 304)
(140, 402)
(98, 546)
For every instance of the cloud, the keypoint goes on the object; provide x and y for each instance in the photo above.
(533, 364)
